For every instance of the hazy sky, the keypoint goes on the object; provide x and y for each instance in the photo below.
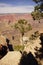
(16, 6)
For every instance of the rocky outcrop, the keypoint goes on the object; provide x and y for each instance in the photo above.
(12, 58)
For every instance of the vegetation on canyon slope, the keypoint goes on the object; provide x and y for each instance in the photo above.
(38, 10)
(23, 26)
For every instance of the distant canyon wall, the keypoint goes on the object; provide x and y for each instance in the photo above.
(15, 17)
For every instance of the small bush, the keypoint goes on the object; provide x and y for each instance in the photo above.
(18, 47)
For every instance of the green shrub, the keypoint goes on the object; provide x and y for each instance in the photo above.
(18, 47)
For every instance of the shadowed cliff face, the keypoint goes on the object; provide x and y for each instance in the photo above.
(10, 47)
(39, 53)
(41, 49)
(4, 49)
(3, 46)
(28, 59)
(41, 38)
